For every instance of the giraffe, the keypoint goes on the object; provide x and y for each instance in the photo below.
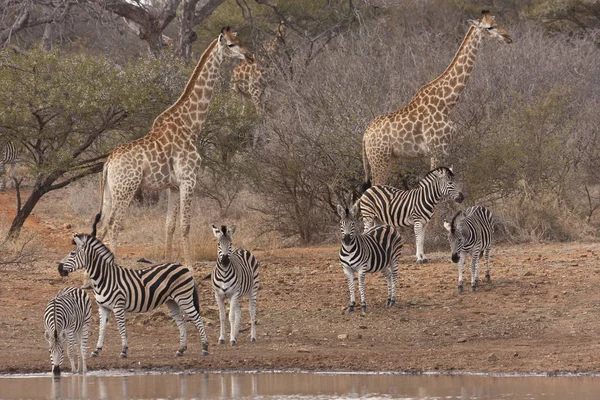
(167, 157)
(423, 127)
(249, 79)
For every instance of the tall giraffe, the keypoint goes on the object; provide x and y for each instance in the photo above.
(166, 158)
(423, 127)
(249, 79)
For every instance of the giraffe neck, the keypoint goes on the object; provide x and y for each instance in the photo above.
(451, 83)
(192, 106)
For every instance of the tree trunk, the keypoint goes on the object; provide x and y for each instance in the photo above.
(36, 194)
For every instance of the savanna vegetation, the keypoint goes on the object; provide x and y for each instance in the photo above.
(79, 78)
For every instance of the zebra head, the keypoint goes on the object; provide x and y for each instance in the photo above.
(55, 340)
(455, 235)
(80, 256)
(224, 244)
(348, 219)
(444, 178)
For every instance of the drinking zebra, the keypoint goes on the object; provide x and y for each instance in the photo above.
(121, 290)
(471, 231)
(388, 205)
(235, 275)
(67, 318)
(8, 156)
(377, 249)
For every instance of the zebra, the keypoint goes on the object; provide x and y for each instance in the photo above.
(471, 231)
(377, 249)
(121, 290)
(388, 205)
(67, 318)
(8, 156)
(234, 275)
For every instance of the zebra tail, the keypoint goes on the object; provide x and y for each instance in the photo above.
(195, 298)
(367, 166)
(102, 182)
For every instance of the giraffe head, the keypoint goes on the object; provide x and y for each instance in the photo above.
(491, 28)
(232, 47)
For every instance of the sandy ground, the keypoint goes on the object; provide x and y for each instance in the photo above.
(540, 314)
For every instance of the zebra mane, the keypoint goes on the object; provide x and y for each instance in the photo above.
(442, 169)
(453, 223)
(97, 245)
(224, 229)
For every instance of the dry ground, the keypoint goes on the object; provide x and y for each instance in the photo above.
(540, 314)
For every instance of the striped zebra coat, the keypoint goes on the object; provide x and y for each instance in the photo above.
(8, 156)
(235, 275)
(376, 250)
(471, 231)
(381, 204)
(122, 290)
(67, 318)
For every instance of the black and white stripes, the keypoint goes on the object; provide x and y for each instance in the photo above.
(471, 231)
(8, 157)
(388, 205)
(376, 250)
(235, 275)
(67, 318)
(129, 290)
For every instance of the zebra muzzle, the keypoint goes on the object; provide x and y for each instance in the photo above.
(455, 257)
(225, 260)
(61, 270)
(56, 370)
(460, 198)
(347, 239)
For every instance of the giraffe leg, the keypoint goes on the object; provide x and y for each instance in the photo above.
(186, 189)
(172, 211)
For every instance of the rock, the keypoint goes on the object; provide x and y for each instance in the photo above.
(343, 336)
(67, 226)
(462, 340)
(528, 273)
(303, 351)
(492, 357)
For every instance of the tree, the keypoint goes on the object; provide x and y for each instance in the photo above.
(68, 112)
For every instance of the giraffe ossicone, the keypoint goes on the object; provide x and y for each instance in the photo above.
(423, 127)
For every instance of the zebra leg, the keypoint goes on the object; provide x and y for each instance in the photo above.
(419, 229)
(120, 317)
(83, 347)
(233, 306)
(486, 258)
(178, 317)
(3, 181)
(394, 282)
(104, 312)
(172, 212)
(253, 316)
(474, 270)
(71, 350)
(222, 312)
(350, 275)
(461, 265)
(12, 167)
(361, 289)
(193, 314)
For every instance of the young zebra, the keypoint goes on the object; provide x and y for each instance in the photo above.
(235, 275)
(67, 318)
(8, 156)
(388, 205)
(472, 231)
(377, 249)
(135, 290)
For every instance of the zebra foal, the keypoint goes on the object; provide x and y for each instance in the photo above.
(122, 290)
(8, 156)
(471, 231)
(376, 250)
(67, 318)
(235, 275)
(388, 205)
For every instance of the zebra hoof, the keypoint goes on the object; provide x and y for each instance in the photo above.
(221, 341)
(474, 288)
(350, 308)
(460, 288)
(253, 340)
(96, 352)
(488, 278)
(205, 352)
(179, 353)
(425, 261)
(233, 342)
(123, 355)
(391, 302)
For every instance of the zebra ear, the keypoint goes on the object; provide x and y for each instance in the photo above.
(355, 207)
(62, 335)
(447, 225)
(77, 240)
(341, 211)
(47, 336)
(216, 231)
(232, 230)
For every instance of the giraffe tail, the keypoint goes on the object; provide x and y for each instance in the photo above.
(102, 195)
(367, 183)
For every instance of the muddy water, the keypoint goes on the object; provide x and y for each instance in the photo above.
(289, 386)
